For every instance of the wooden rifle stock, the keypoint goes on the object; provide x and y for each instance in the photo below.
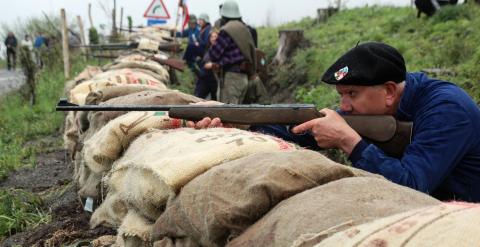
(389, 134)
(177, 64)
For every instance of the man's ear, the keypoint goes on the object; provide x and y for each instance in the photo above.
(391, 93)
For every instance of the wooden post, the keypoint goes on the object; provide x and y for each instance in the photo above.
(82, 37)
(289, 41)
(90, 14)
(121, 19)
(114, 22)
(66, 55)
(324, 14)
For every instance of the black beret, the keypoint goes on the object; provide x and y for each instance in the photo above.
(371, 63)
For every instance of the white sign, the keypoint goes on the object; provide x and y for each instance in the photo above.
(157, 10)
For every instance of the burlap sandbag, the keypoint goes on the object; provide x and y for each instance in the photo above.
(130, 76)
(159, 163)
(146, 44)
(146, 65)
(73, 135)
(450, 224)
(157, 97)
(110, 74)
(179, 242)
(106, 146)
(221, 203)
(88, 73)
(80, 92)
(150, 33)
(97, 120)
(97, 97)
(110, 213)
(135, 230)
(70, 134)
(333, 207)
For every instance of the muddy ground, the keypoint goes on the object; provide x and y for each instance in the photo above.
(53, 175)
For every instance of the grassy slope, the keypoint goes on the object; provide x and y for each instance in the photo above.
(20, 123)
(448, 40)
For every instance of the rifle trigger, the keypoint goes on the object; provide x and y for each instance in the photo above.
(64, 102)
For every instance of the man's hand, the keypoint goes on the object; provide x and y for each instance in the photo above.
(206, 122)
(213, 66)
(208, 66)
(331, 131)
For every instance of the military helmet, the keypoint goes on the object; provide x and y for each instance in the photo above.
(204, 16)
(230, 9)
(193, 19)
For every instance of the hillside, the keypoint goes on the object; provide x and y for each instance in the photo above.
(30, 138)
(448, 40)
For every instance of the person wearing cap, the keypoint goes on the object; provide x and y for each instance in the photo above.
(234, 54)
(205, 28)
(193, 47)
(443, 158)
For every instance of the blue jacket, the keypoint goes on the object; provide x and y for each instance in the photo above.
(444, 157)
(192, 51)
(204, 38)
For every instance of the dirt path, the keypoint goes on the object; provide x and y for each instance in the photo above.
(70, 223)
(10, 81)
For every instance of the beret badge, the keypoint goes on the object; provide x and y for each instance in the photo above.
(341, 73)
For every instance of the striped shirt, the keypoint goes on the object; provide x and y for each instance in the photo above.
(226, 53)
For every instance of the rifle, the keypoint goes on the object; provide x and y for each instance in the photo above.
(389, 134)
(167, 47)
(177, 64)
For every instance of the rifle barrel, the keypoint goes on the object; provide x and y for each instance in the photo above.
(66, 106)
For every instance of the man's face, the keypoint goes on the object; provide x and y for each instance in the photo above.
(363, 99)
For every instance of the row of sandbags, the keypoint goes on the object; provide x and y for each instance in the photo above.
(160, 184)
(108, 166)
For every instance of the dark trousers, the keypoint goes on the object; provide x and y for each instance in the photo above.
(11, 58)
(206, 85)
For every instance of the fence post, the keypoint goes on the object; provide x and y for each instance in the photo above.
(66, 55)
(82, 37)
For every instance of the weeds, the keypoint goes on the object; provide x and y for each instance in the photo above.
(20, 123)
(19, 210)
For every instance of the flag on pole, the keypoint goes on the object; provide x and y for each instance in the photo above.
(186, 16)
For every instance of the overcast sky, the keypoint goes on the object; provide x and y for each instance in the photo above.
(254, 11)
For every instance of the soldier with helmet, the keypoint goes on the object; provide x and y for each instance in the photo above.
(233, 54)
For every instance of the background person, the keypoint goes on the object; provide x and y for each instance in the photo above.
(207, 82)
(234, 53)
(205, 29)
(11, 44)
(193, 46)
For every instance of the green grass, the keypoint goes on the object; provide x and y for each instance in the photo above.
(19, 210)
(448, 40)
(20, 123)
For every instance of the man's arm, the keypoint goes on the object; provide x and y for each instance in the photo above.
(440, 141)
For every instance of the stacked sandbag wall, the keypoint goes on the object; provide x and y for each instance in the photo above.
(161, 184)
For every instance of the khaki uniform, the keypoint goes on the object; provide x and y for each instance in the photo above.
(234, 88)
